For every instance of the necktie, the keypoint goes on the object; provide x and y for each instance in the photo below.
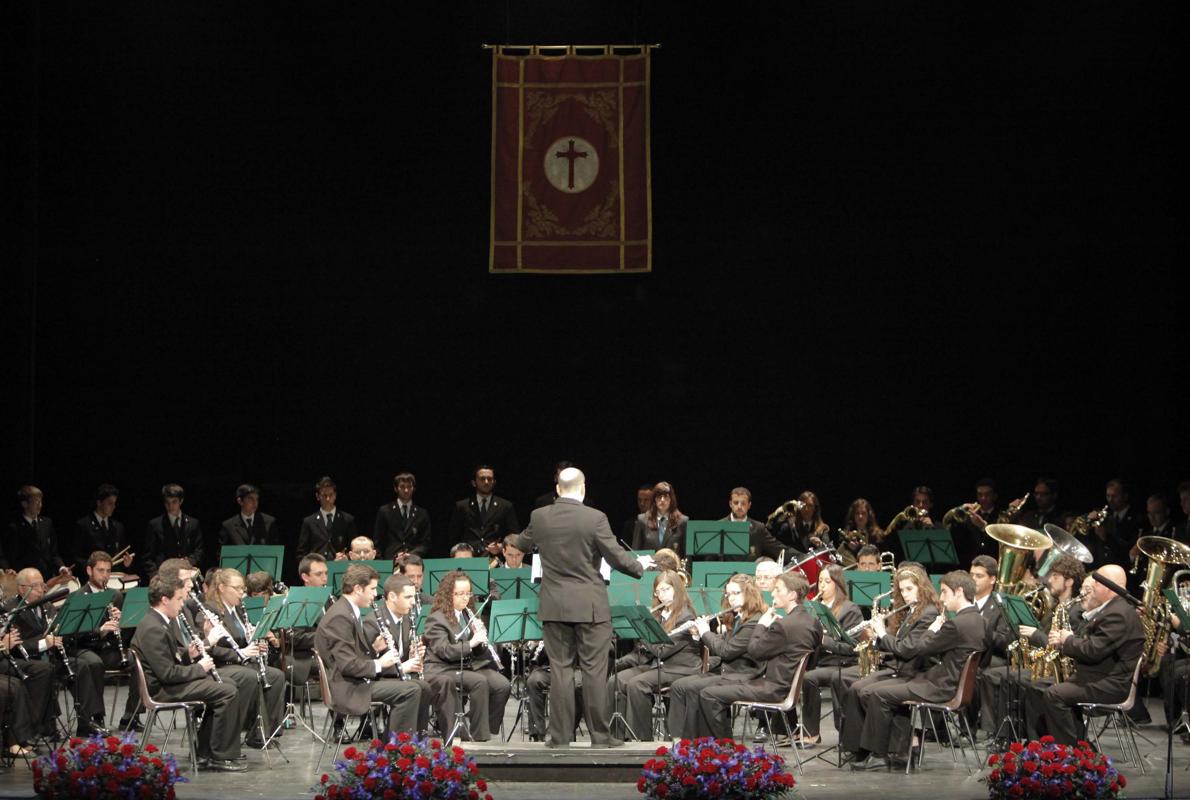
(400, 642)
(405, 513)
(103, 524)
(330, 519)
(483, 508)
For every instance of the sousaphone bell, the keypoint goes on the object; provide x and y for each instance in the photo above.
(1064, 544)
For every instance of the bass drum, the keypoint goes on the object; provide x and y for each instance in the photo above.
(812, 564)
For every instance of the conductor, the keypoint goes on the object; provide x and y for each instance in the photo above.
(575, 617)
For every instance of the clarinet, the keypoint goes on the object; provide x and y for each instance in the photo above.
(202, 649)
(111, 614)
(16, 668)
(249, 631)
(477, 625)
(387, 633)
(217, 624)
(61, 648)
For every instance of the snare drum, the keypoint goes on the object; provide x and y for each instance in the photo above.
(812, 564)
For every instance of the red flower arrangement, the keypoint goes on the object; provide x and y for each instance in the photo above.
(106, 768)
(406, 768)
(710, 767)
(1043, 769)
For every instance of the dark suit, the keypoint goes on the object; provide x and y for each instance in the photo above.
(315, 538)
(468, 525)
(834, 656)
(646, 538)
(1119, 534)
(885, 727)
(105, 646)
(401, 629)
(163, 541)
(487, 689)
(35, 545)
(246, 676)
(730, 649)
(761, 542)
(1105, 656)
(90, 536)
(87, 687)
(571, 539)
(393, 532)
(781, 645)
(648, 668)
(347, 652)
(38, 691)
(170, 675)
(233, 530)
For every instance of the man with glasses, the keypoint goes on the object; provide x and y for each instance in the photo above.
(39, 645)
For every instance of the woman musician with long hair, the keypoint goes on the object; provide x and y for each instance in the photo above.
(240, 660)
(637, 675)
(743, 604)
(915, 605)
(834, 654)
(453, 614)
(859, 528)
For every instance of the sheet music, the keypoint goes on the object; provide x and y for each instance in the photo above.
(535, 569)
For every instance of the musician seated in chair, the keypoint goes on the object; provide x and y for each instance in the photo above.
(727, 645)
(885, 721)
(458, 653)
(538, 687)
(239, 659)
(649, 667)
(16, 707)
(393, 623)
(108, 643)
(1105, 655)
(835, 655)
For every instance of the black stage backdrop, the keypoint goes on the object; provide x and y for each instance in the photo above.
(896, 243)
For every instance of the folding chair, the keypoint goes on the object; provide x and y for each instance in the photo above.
(191, 708)
(952, 715)
(332, 711)
(791, 701)
(1117, 718)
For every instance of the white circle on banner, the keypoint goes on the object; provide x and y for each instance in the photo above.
(571, 164)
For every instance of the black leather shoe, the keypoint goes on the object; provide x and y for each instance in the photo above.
(219, 765)
(761, 736)
(536, 737)
(134, 724)
(86, 729)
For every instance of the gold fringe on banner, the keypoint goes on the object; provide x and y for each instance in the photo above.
(563, 50)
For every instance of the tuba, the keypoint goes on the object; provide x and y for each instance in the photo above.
(1155, 609)
(1017, 543)
(1064, 544)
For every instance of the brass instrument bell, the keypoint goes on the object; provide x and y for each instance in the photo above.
(1162, 553)
(1017, 542)
(1064, 544)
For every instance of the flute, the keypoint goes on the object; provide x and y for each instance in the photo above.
(854, 629)
(694, 622)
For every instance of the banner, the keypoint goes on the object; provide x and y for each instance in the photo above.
(570, 162)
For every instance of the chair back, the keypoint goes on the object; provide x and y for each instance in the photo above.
(324, 683)
(795, 686)
(142, 685)
(1130, 700)
(965, 691)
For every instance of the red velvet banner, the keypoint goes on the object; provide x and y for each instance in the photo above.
(570, 164)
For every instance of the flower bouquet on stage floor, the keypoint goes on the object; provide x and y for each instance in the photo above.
(106, 768)
(710, 767)
(406, 768)
(1044, 769)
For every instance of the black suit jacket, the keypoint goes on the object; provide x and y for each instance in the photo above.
(34, 545)
(348, 655)
(264, 531)
(834, 651)
(952, 643)
(400, 629)
(163, 542)
(1119, 534)
(166, 662)
(444, 653)
(392, 533)
(682, 654)
(903, 644)
(999, 633)
(315, 538)
(783, 643)
(90, 536)
(730, 646)
(1106, 651)
(571, 539)
(466, 525)
(645, 538)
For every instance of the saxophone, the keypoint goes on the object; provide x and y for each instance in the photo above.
(1047, 662)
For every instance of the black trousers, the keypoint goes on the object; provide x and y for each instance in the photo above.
(635, 687)
(716, 701)
(408, 702)
(852, 687)
(219, 735)
(885, 728)
(16, 711)
(39, 690)
(812, 685)
(585, 645)
(1059, 708)
(487, 692)
(686, 719)
(110, 656)
(538, 685)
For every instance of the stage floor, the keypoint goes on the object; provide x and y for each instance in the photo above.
(528, 771)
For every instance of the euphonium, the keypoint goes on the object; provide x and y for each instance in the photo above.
(1156, 610)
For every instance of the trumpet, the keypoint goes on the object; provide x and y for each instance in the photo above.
(909, 514)
(959, 514)
(685, 626)
(1082, 525)
(783, 511)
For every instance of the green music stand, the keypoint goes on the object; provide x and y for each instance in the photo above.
(929, 546)
(82, 613)
(136, 603)
(716, 538)
(335, 570)
(515, 584)
(302, 607)
(830, 622)
(267, 621)
(937, 581)
(514, 621)
(476, 568)
(864, 587)
(1018, 611)
(1176, 604)
(254, 608)
(638, 623)
(706, 600)
(249, 558)
(715, 574)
